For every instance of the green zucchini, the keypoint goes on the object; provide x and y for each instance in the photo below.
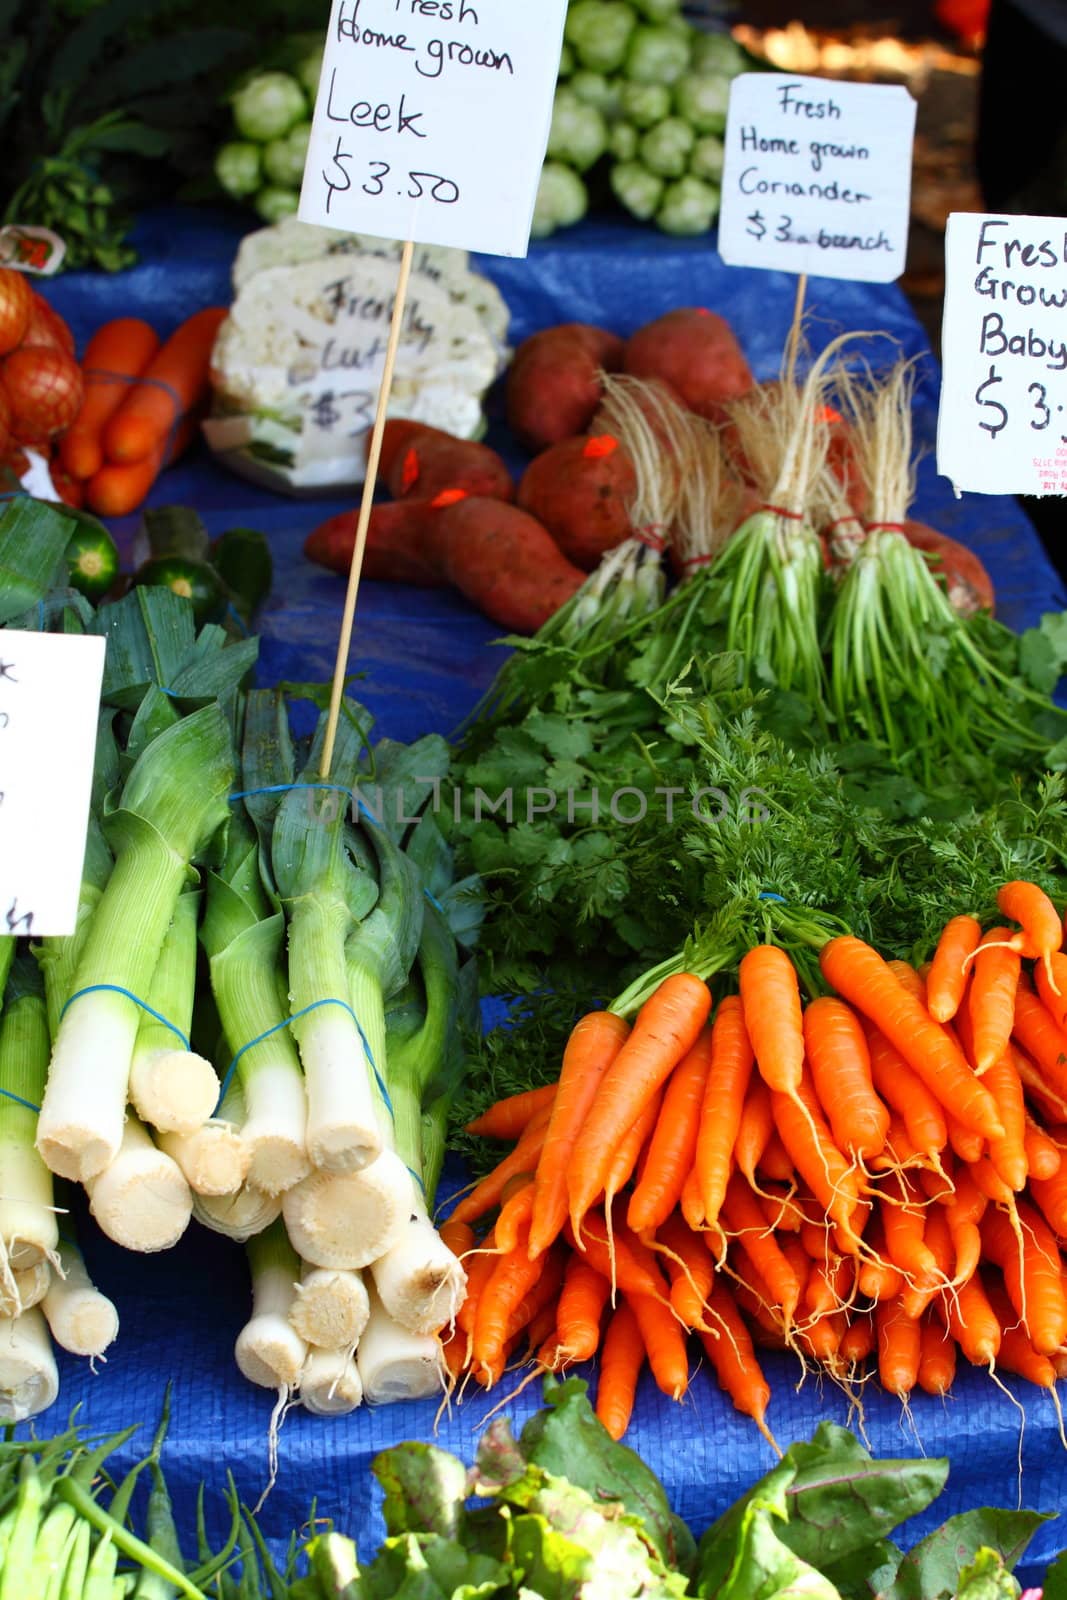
(92, 556)
(193, 580)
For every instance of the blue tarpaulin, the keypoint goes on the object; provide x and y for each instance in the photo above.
(426, 657)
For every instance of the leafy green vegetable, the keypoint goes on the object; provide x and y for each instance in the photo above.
(933, 1569)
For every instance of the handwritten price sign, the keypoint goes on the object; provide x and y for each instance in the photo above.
(432, 120)
(49, 700)
(1002, 426)
(817, 177)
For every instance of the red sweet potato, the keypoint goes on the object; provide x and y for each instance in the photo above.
(582, 490)
(395, 549)
(553, 387)
(970, 588)
(398, 433)
(694, 351)
(431, 461)
(504, 561)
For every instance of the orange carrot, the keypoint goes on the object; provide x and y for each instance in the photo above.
(664, 1340)
(966, 1144)
(745, 1223)
(511, 1280)
(1051, 1197)
(1017, 1354)
(776, 1164)
(454, 1353)
(904, 1222)
(770, 999)
(626, 1262)
(991, 1003)
(1050, 977)
(733, 1357)
(828, 1285)
(841, 1068)
(490, 1191)
(937, 1357)
(729, 1074)
(755, 1130)
(937, 1239)
(947, 979)
(1043, 1155)
(1037, 1033)
(692, 1272)
(1033, 1274)
(862, 977)
(1042, 929)
(972, 1323)
(594, 1043)
(908, 978)
(857, 1341)
(458, 1236)
(904, 1091)
(627, 1152)
(515, 1213)
(479, 1267)
(876, 1276)
(1049, 1101)
(118, 351)
(807, 1137)
(672, 1151)
(692, 1204)
(990, 1182)
(581, 1306)
(666, 1029)
(621, 1361)
(509, 1118)
(1008, 1154)
(899, 1348)
(174, 383)
(115, 491)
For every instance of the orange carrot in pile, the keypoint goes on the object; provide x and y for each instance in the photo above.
(621, 1361)
(991, 1003)
(672, 1149)
(174, 383)
(947, 979)
(770, 997)
(1042, 926)
(667, 1027)
(509, 1119)
(116, 353)
(722, 1110)
(841, 1068)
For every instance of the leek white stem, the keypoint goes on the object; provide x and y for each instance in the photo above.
(26, 1289)
(342, 1126)
(28, 1228)
(82, 1320)
(142, 1200)
(395, 1364)
(269, 1351)
(238, 1216)
(420, 1281)
(330, 1384)
(349, 1219)
(331, 1308)
(274, 1129)
(172, 1088)
(29, 1380)
(215, 1159)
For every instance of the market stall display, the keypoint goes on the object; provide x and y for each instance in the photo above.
(211, 1348)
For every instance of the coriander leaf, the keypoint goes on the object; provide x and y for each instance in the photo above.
(561, 737)
(1038, 661)
(932, 1570)
(425, 1489)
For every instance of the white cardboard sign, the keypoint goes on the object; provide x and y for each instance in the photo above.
(432, 120)
(1002, 425)
(49, 701)
(817, 177)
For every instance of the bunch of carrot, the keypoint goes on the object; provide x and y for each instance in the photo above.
(141, 409)
(880, 1172)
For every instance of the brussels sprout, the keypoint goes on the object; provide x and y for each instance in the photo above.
(666, 148)
(237, 167)
(268, 105)
(634, 187)
(599, 31)
(707, 158)
(283, 159)
(309, 72)
(703, 101)
(567, 60)
(688, 206)
(593, 89)
(562, 200)
(718, 53)
(657, 55)
(578, 134)
(623, 141)
(644, 104)
(659, 10)
(274, 203)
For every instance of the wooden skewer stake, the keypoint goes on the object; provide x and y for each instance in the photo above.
(373, 458)
(793, 343)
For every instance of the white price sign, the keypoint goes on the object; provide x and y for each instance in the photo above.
(49, 702)
(1002, 426)
(817, 177)
(432, 120)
